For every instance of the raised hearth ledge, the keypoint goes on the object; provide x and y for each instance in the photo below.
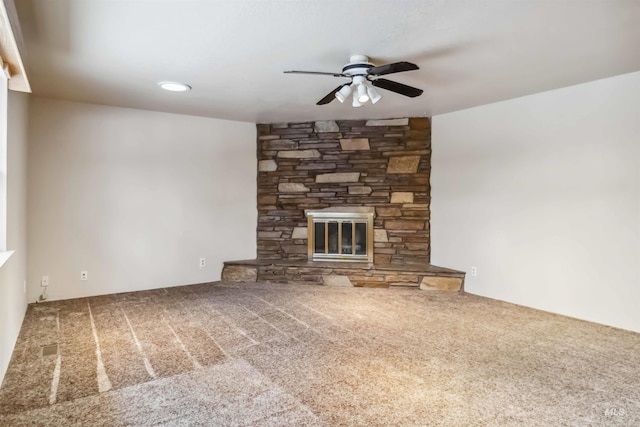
(423, 276)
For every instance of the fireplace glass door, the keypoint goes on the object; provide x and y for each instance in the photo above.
(341, 237)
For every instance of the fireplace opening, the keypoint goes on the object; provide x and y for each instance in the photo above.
(341, 235)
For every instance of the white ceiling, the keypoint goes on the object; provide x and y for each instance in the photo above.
(470, 52)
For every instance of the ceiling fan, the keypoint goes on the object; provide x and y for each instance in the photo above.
(363, 79)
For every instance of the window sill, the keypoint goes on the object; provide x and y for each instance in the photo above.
(4, 257)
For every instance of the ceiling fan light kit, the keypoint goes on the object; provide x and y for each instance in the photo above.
(343, 93)
(362, 73)
(362, 93)
(374, 96)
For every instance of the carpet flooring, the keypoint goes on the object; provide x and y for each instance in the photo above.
(224, 354)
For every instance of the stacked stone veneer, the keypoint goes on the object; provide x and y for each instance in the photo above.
(383, 164)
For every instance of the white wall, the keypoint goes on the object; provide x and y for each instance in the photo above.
(13, 300)
(4, 105)
(542, 194)
(135, 198)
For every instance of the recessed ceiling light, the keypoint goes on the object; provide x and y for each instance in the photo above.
(175, 86)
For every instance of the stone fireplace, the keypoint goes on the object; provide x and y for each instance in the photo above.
(342, 190)
(379, 164)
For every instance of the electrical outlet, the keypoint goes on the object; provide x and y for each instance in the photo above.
(84, 275)
(474, 271)
(203, 262)
(44, 282)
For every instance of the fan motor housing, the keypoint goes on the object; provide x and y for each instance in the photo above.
(358, 66)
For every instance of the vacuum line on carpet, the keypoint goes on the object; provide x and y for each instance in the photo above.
(104, 384)
(284, 312)
(315, 311)
(331, 319)
(202, 327)
(196, 365)
(270, 324)
(226, 319)
(147, 364)
(56, 371)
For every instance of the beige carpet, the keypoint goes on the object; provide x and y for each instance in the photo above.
(253, 355)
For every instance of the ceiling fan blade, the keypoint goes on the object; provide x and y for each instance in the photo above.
(396, 67)
(396, 87)
(331, 95)
(319, 73)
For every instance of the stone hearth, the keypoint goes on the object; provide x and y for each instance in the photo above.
(423, 276)
(379, 164)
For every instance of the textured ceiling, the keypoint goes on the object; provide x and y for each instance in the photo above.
(471, 52)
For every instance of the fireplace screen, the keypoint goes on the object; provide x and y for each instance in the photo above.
(340, 236)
